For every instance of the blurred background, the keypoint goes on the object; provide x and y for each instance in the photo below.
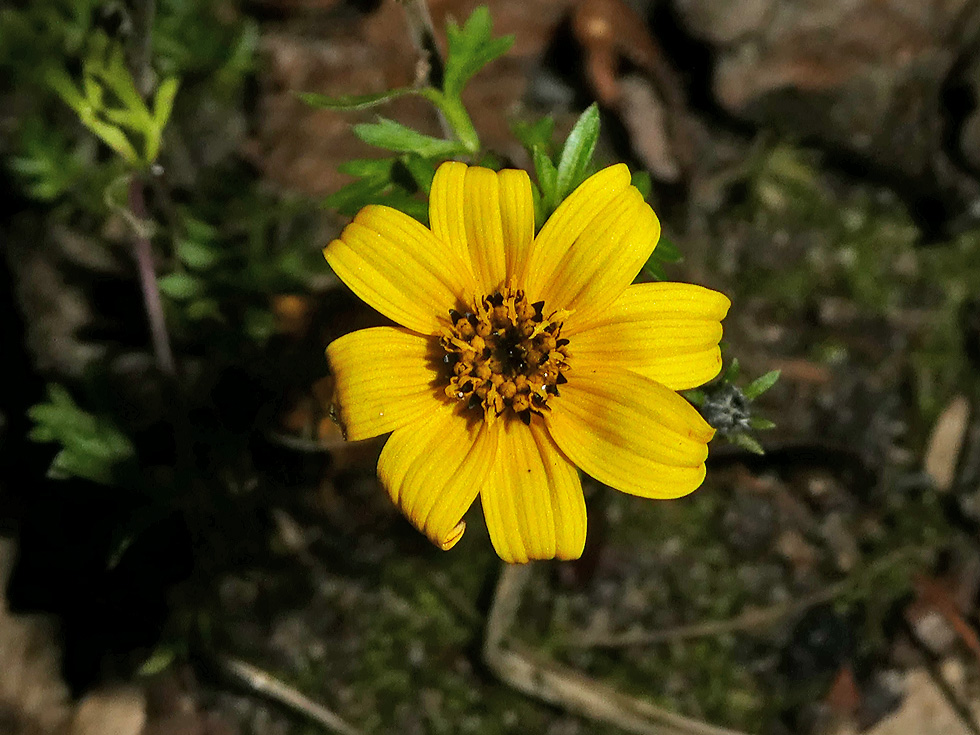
(204, 554)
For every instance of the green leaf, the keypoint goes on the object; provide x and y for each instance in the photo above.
(746, 442)
(760, 385)
(577, 153)
(92, 446)
(118, 78)
(396, 137)
(114, 138)
(641, 180)
(422, 170)
(351, 102)
(350, 198)
(731, 372)
(180, 286)
(163, 101)
(63, 85)
(537, 134)
(667, 252)
(654, 268)
(695, 396)
(161, 658)
(259, 324)
(471, 48)
(199, 230)
(547, 176)
(539, 213)
(364, 168)
(201, 309)
(760, 424)
(197, 255)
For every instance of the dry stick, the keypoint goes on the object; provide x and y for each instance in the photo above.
(430, 64)
(545, 680)
(141, 50)
(143, 253)
(745, 621)
(263, 683)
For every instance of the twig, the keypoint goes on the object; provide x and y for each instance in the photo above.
(268, 686)
(141, 50)
(745, 621)
(430, 68)
(423, 34)
(143, 253)
(961, 708)
(537, 677)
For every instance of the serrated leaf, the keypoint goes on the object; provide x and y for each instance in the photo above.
(91, 445)
(470, 49)
(746, 442)
(396, 137)
(351, 102)
(577, 153)
(760, 385)
(180, 286)
(760, 424)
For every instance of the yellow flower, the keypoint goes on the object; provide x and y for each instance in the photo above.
(519, 357)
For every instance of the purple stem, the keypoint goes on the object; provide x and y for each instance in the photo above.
(148, 282)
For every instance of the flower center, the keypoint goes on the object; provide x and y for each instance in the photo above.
(505, 354)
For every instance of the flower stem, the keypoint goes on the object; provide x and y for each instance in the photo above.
(460, 122)
(143, 254)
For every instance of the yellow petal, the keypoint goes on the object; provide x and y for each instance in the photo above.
(629, 432)
(533, 499)
(517, 214)
(486, 216)
(383, 380)
(400, 268)
(446, 205)
(666, 331)
(594, 244)
(434, 468)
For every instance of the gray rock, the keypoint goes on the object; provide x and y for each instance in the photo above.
(863, 75)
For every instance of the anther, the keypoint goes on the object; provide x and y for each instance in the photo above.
(504, 354)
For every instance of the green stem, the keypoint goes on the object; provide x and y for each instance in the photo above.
(459, 120)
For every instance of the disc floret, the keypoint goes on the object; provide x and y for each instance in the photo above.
(505, 355)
